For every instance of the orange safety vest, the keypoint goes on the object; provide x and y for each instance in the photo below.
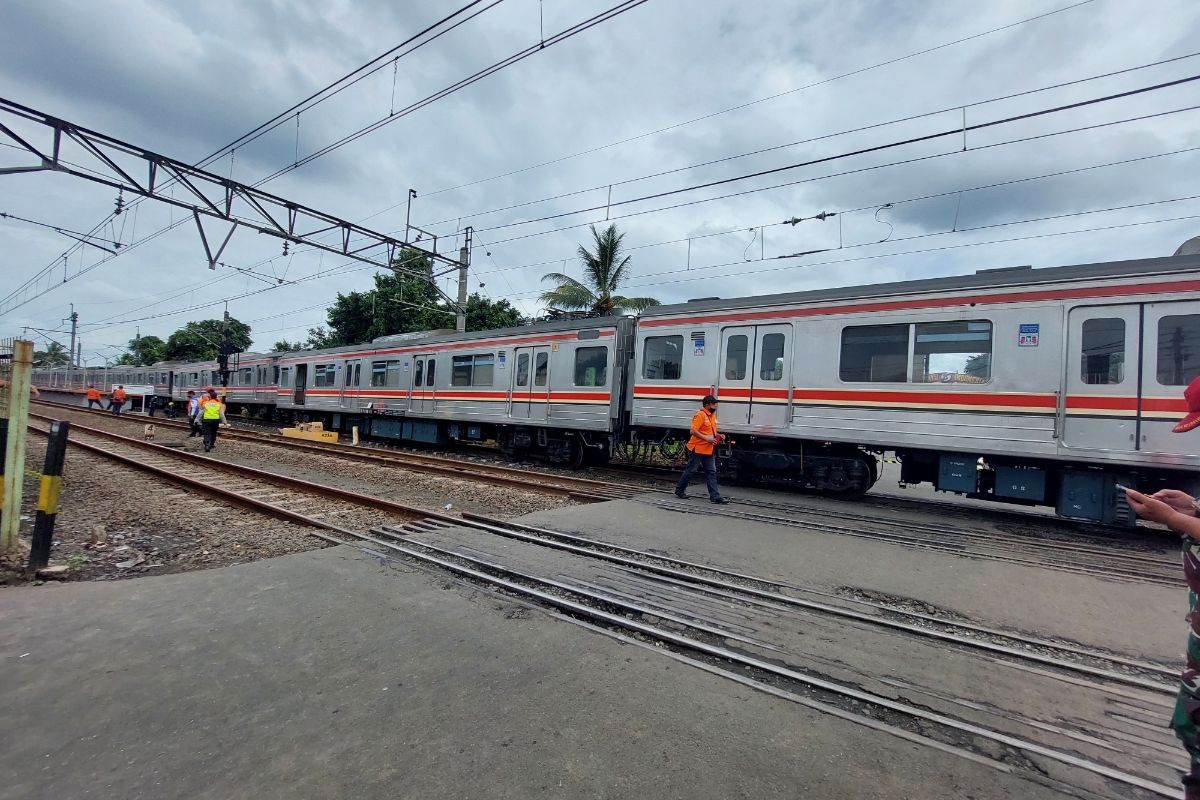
(93, 394)
(706, 424)
(119, 396)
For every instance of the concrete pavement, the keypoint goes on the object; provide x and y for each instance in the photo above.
(335, 674)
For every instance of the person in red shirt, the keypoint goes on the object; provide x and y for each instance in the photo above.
(701, 445)
(1180, 512)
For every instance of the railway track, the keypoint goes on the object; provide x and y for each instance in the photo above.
(313, 504)
(581, 488)
(1098, 557)
(793, 642)
(746, 629)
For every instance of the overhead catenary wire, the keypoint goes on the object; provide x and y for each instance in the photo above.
(845, 132)
(740, 106)
(893, 202)
(858, 170)
(520, 55)
(564, 35)
(928, 137)
(699, 272)
(326, 92)
(916, 237)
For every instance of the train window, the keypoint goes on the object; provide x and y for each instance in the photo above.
(591, 366)
(1103, 342)
(874, 353)
(770, 359)
(246, 378)
(419, 372)
(735, 357)
(276, 381)
(484, 365)
(662, 358)
(952, 352)
(379, 373)
(460, 370)
(541, 368)
(324, 375)
(354, 374)
(1178, 349)
(429, 369)
(285, 376)
(523, 369)
(393, 373)
(473, 370)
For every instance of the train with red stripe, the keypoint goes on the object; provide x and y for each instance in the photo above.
(1028, 386)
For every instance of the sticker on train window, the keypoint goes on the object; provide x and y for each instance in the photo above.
(1028, 334)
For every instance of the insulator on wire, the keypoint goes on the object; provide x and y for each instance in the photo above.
(120, 204)
(285, 247)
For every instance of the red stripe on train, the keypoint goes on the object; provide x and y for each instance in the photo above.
(935, 302)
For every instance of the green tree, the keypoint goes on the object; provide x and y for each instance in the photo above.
(319, 338)
(144, 351)
(55, 355)
(403, 302)
(605, 268)
(201, 341)
(284, 346)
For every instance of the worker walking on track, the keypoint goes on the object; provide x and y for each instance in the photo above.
(1180, 512)
(212, 413)
(93, 396)
(118, 400)
(193, 413)
(703, 441)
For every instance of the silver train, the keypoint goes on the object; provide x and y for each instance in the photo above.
(1037, 387)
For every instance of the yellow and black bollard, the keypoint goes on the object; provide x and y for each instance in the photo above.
(47, 508)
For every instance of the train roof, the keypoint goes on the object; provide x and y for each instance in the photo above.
(1008, 277)
(439, 337)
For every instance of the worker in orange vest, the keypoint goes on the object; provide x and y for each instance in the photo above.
(701, 446)
(118, 400)
(93, 396)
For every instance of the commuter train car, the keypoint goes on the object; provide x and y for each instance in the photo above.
(1047, 386)
(1038, 387)
(552, 388)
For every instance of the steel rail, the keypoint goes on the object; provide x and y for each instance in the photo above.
(595, 549)
(1113, 573)
(492, 574)
(278, 479)
(503, 476)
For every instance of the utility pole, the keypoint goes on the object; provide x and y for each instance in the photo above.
(464, 261)
(74, 318)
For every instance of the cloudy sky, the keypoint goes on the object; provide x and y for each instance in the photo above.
(671, 95)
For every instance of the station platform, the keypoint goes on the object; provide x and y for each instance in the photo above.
(335, 673)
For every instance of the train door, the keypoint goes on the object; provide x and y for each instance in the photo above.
(301, 380)
(755, 375)
(1170, 361)
(1100, 409)
(531, 384)
(421, 391)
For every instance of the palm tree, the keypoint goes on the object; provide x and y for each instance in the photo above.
(605, 270)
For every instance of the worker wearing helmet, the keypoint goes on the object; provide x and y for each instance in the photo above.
(212, 414)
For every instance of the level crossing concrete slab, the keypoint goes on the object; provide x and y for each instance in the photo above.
(1137, 619)
(338, 674)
